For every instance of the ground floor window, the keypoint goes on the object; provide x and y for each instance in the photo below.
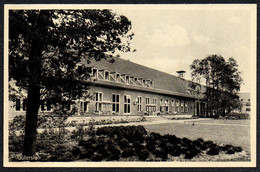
(127, 103)
(166, 108)
(139, 103)
(182, 106)
(83, 106)
(177, 105)
(115, 103)
(99, 99)
(147, 104)
(186, 106)
(17, 104)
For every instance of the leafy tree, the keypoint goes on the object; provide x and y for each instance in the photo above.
(222, 80)
(45, 47)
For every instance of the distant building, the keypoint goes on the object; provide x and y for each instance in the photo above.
(246, 102)
(127, 88)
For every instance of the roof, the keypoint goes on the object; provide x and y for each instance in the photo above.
(244, 95)
(161, 80)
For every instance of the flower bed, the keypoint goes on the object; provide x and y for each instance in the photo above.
(127, 143)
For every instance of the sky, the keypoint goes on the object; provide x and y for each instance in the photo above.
(169, 39)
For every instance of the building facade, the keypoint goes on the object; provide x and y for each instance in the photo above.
(127, 88)
(245, 101)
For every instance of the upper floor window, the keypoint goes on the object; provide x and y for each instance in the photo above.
(161, 101)
(249, 100)
(154, 101)
(173, 103)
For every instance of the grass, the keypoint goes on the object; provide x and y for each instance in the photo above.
(227, 134)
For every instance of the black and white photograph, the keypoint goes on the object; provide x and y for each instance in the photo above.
(130, 85)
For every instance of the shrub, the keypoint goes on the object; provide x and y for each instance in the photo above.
(213, 151)
(62, 153)
(128, 152)
(176, 151)
(230, 151)
(237, 149)
(189, 155)
(76, 151)
(96, 157)
(79, 133)
(143, 155)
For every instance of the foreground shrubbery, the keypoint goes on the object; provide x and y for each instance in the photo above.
(130, 143)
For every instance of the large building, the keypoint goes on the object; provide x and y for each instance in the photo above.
(127, 88)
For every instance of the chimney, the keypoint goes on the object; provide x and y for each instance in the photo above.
(181, 73)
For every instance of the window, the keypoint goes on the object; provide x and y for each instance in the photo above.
(95, 73)
(241, 100)
(147, 101)
(127, 79)
(18, 104)
(182, 106)
(249, 100)
(42, 104)
(186, 106)
(166, 105)
(135, 80)
(83, 106)
(161, 101)
(177, 105)
(173, 103)
(24, 104)
(115, 103)
(139, 103)
(127, 101)
(118, 77)
(154, 103)
(151, 83)
(99, 99)
(48, 106)
(144, 82)
(107, 75)
(248, 109)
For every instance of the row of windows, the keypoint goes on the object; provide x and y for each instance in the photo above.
(122, 78)
(84, 105)
(176, 106)
(21, 104)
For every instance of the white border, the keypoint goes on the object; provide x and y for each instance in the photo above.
(251, 7)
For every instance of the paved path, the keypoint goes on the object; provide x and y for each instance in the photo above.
(149, 122)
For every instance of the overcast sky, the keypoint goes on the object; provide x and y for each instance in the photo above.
(170, 39)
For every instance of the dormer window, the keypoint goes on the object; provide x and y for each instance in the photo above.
(135, 80)
(127, 79)
(118, 77)
(107, 74)
(151, 83)
(144, 82)
(95, 73)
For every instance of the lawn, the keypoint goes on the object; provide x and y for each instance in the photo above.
(237, 135)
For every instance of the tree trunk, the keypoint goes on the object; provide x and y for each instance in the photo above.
(31, 120)
(33, 99)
